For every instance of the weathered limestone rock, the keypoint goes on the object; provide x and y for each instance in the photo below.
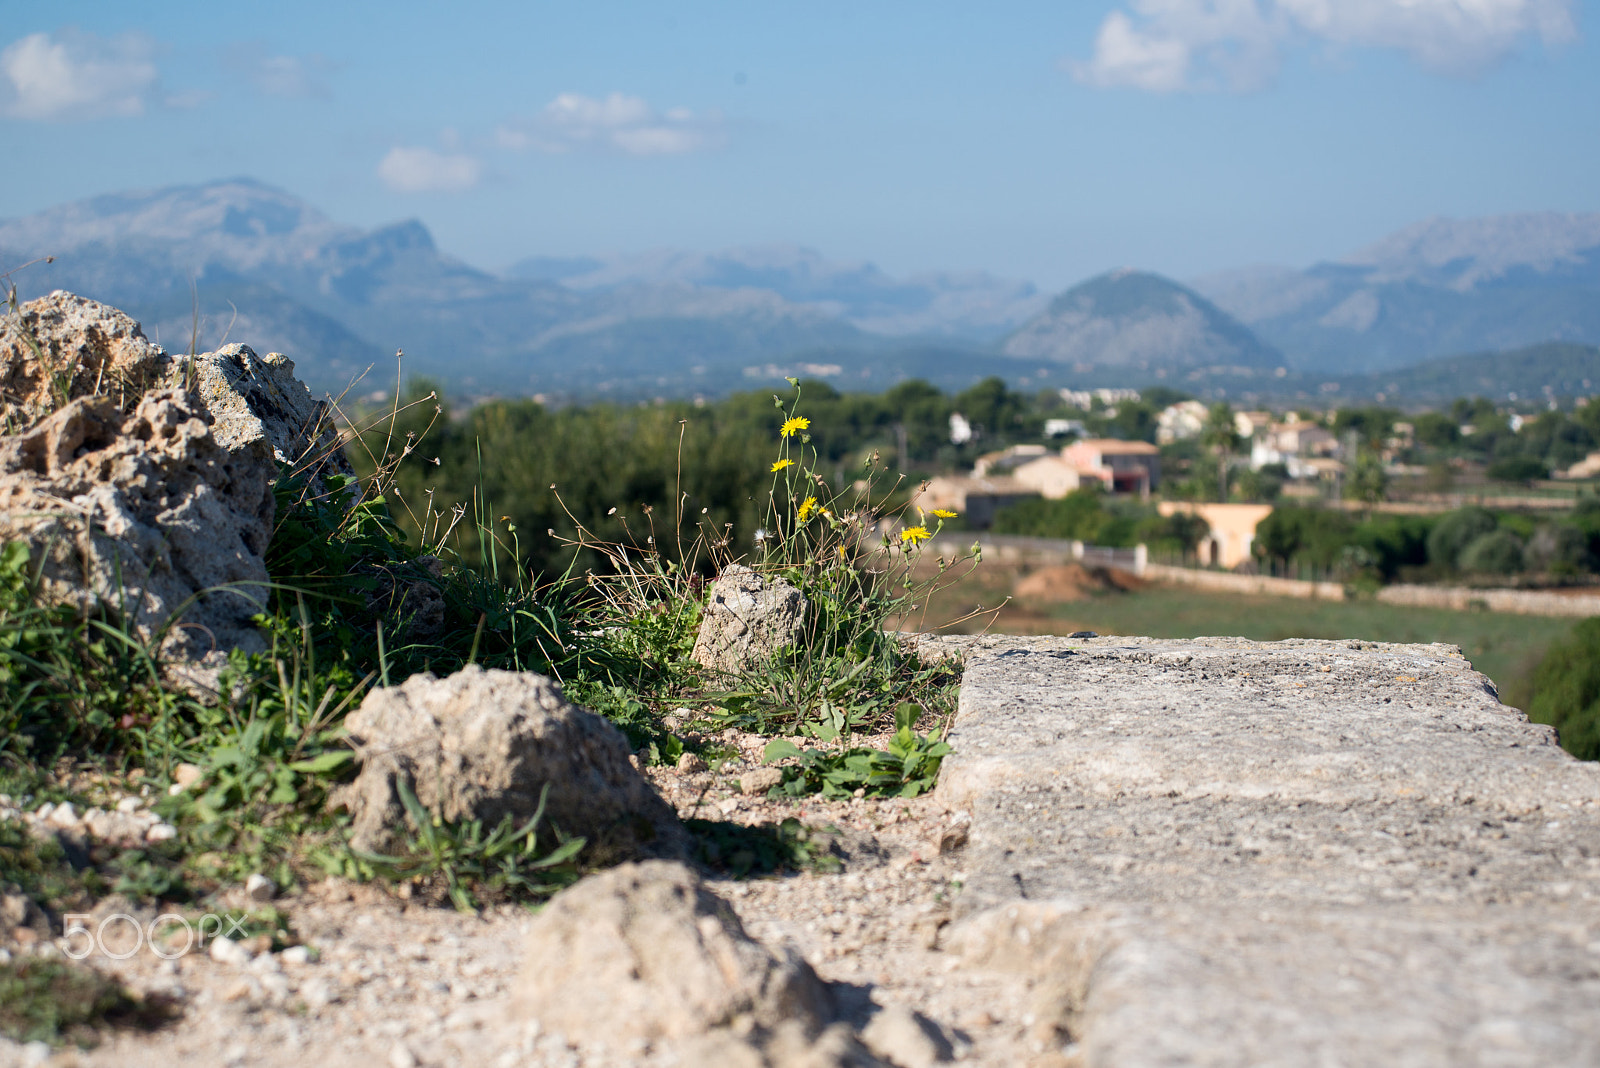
(253, 398)
(83, 395)
(747, 619)
(144, 512)
(645, 956)
(483, 745)
(1224, 852)
(65, 347)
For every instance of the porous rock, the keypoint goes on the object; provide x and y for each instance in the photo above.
(62, 347)
(143, 480)
(253, 398)
(644, 954)
(144, 512)
(485, 745)
(748, 618)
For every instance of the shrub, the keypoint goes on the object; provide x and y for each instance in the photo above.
(1080, 515)
(1518, 469)
(1498, 553)
(1566, 690)
(1561, 548)
(1454, 532)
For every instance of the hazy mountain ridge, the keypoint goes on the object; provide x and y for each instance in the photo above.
(1138, 321)
(338, 298)
(1441, 287)
(1553, 369)
(973, 305)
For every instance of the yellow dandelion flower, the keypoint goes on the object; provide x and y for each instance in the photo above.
(807, 506)
(793, 426)
(781, 464)
(944, 513)
(914, 536)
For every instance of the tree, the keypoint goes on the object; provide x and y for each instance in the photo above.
(1369, 482)
(1218, 435)
(1566, 691)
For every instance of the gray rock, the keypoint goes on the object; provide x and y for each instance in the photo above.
(63, 347)
(252, 398)
(144, 512)
(483, 745)
(644, 954)
(759, 780)
(748, 618)
(143, 481)
(905, 1038)
(1231, 853)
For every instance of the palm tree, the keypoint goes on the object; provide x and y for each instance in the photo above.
(1219, 436)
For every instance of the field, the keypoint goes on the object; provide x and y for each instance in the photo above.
(1504, 647)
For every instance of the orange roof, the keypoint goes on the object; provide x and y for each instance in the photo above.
(1116, 446)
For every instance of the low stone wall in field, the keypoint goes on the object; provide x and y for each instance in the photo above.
(1515, 602)
(1230, 582)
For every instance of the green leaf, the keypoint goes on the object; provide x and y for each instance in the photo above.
(779, 749)
(323, 763)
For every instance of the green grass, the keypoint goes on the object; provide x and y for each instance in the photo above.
(50, 1000)
(1506, 648)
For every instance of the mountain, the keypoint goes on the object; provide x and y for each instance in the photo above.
(1556, 369)
(1136, 322)
(261, 266)
(1441, 287)
(973, 306)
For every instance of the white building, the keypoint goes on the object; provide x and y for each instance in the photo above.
(1295, 443)
(1181, 421)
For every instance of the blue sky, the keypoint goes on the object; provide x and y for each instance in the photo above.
(1045, 141)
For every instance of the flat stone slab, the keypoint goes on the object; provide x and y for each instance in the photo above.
(1221, 852)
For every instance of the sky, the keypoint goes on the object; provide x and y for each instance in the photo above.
(1039, 141)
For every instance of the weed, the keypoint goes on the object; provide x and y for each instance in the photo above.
(470, 866)
(763, 849)
(45, 999)
(907, 767)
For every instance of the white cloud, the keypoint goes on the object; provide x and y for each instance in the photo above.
(617, 122)
(422, 170)
(76, 75)
(1169, 45)
(290, 76)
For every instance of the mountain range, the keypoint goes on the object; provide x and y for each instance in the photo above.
(262, 266)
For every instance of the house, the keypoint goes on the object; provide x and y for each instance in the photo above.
(1122, 466)
(976, 499)
(1588, 467)
(1294, 443)
(1247, 424)
(1051, 476)
(1233, 529)
(993, 463)
(1181, 421)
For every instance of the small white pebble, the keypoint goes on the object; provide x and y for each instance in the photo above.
(225, 950)
(259, 888)
(174, 790)
(296, 955)
(43, 813)
(402, 1057)
(161, 832)
(128, 805)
